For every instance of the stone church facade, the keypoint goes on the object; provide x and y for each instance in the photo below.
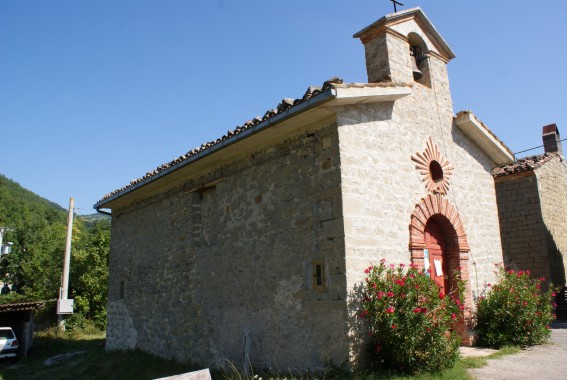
(250, 248)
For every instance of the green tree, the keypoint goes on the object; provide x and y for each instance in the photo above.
(35, 264)
(41, 264)
(89, 271)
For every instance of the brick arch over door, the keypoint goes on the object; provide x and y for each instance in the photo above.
(437, 208)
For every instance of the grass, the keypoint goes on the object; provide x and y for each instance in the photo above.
(479, 362)
(95, 363)
(458, 372)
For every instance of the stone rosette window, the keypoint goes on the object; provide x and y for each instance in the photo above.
(435, 170)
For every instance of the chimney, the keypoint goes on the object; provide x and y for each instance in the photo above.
(551, 139)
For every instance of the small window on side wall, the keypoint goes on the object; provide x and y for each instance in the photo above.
(121, 290)
(319, 277)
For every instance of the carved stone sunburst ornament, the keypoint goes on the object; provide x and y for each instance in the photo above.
(435, 170)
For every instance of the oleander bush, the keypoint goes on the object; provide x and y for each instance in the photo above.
(518, 310)
(409, 320)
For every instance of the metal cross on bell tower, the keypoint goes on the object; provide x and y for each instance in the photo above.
(396, 3)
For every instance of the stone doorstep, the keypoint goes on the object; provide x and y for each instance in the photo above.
(203, 374)
(475, 352)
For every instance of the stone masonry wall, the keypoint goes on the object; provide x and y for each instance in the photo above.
(377, 66)
(387, 55)
(398, 59)
(552, 186)
(381, 186)
(225, 271)
(532, 208)
(521, 224)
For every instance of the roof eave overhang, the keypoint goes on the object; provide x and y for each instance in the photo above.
(477, 132)
(361, 95)
(331, 98)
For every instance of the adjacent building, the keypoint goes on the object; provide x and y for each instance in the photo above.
(532, 205)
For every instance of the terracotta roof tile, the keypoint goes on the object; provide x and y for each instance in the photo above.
(524, 164)
(283, 106)
(12, 307)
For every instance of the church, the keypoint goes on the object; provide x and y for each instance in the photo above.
(249, 249)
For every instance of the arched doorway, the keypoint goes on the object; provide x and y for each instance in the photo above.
(437, 233)
(435, 255)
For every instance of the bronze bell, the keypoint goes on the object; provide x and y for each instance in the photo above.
(417, 74)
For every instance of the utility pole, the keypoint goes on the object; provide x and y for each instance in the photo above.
(64, 305)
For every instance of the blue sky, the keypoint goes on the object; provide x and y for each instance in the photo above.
(95, 93)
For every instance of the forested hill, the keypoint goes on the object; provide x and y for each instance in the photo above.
(15, 202)
(37, 230)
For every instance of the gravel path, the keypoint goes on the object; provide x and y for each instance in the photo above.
(548, 361)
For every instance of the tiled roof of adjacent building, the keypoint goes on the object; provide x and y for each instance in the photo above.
(283, 106)
(22, 306)
(523, 165)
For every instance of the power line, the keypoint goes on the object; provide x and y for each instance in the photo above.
(527, 150)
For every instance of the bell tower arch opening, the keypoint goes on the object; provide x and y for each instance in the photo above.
(419, 59)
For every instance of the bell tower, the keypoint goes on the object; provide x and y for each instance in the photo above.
(405, 47)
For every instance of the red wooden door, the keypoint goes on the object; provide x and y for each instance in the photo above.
(437, 264)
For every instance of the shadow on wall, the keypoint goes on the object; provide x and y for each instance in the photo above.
(358, 327)
(460, 139)
(557, 270)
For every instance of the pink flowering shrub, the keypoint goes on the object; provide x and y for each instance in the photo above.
(409, 320)
(515, 311)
